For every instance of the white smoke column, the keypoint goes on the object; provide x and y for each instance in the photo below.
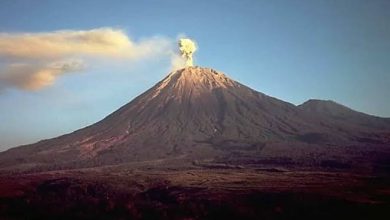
(187, 48)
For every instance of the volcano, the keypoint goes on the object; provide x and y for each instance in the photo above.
(199, 145)
(200, 116)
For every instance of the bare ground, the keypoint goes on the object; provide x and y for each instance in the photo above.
(194, 193)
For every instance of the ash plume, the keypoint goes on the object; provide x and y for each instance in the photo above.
(187, 47)
(32, 61)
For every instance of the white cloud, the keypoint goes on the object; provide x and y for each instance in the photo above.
(35, 60)
(34, 76)
(95, 42)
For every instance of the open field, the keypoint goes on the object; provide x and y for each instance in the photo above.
(194, 193)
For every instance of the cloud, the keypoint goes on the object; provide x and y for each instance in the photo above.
(35, 76)
(35, 60)
(177, 62)
(96, 42)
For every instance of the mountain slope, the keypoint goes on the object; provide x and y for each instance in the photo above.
(361, 127)
(194, 113)
(336, 111)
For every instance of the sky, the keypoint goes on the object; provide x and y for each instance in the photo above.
(67, 64)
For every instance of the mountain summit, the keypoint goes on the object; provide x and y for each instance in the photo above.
(197, 114)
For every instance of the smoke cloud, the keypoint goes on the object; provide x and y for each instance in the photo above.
(177, 62)
(97, 42)
(187, 47)
(35, 76)
(35, 60)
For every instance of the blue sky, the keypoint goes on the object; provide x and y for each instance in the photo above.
(292, 50)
